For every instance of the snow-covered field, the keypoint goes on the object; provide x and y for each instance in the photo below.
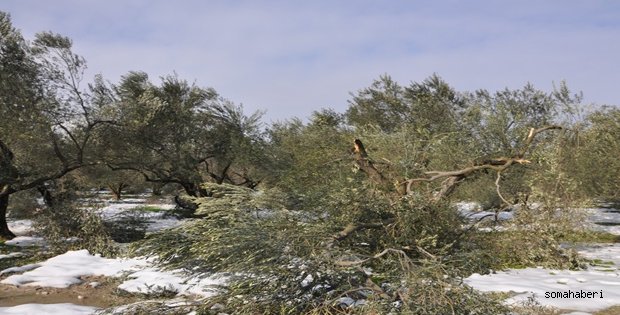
(589, 290)
(581, 292)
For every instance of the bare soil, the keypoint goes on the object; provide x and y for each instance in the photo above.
(106, 294)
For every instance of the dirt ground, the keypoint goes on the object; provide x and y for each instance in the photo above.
(105, 294)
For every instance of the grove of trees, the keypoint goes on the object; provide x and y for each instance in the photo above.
(314, 216)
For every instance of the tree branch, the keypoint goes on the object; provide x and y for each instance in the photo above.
(497, 164)
(354, 227)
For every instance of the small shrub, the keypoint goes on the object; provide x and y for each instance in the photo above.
(70, 227)
(128, 226)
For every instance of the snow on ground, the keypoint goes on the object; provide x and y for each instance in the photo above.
(156, 220)
(582, 291)
(604, 219)
(473, 211)
(585, 290)
(20, 227)
(61, 308)
(109, 210)
(25, 241)
(11, 255)
(66, 269)
(152, 280)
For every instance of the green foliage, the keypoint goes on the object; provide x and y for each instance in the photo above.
(429, 106)
(282, 261)
(183, 134)
(23, 205)
(312, 159)
(591, 155)
(126, 227)
(69, 227)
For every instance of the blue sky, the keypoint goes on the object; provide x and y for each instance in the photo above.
(293, 57)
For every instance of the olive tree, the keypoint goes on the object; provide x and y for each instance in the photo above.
(178, 133)
(47, 121)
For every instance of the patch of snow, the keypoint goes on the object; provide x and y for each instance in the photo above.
(346, 301)
(502, 215)
(473, 211)
(114, 209)
(542, 284)
(306, 281)
(150, 280)
(66, 269)
(25, 241)
(20, 227)
(11, 255)
(129, 200)
(61, 308)
(20, 269)
(206, 286)
(468, 207)
(604, 219)
(603, 251)
(162, 206)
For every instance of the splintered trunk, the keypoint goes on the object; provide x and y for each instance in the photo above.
(4, 227)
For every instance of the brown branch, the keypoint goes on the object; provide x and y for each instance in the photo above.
(350, 263)
(353, 227)
(36, 182)
(59, 155)
(497, 164)
(530, 138)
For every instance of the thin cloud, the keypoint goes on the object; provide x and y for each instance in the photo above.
(294, 57)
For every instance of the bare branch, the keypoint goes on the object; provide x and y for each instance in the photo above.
(350, 263)
(499, 177)
(59, 155)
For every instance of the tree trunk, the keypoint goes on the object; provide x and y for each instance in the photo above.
(157, 189)
(117, 190)
(4, 228)
(48, 199)
(195, 190)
